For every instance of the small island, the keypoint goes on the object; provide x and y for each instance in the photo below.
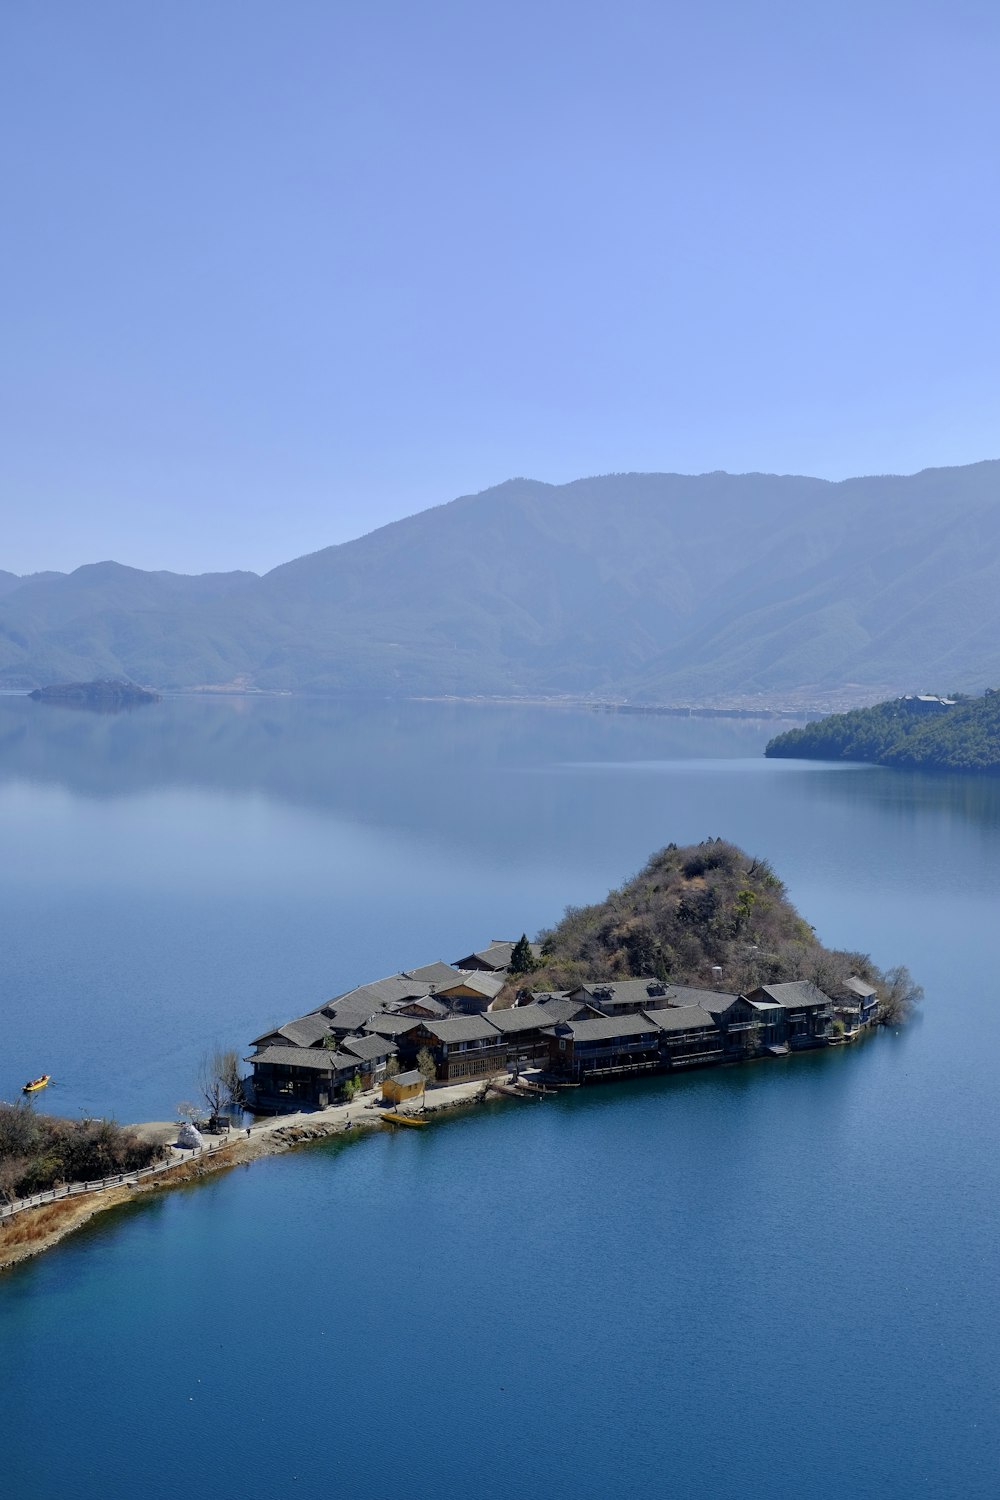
(921, 732)
(699, 960)
(103, 695)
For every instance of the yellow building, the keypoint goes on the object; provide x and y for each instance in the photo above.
(403, 1088)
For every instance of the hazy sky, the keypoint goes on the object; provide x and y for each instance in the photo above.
(275, 273)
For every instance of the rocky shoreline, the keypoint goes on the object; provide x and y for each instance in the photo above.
(39, 1229)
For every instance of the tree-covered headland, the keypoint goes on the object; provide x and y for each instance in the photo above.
(956, 734)
(692, 912)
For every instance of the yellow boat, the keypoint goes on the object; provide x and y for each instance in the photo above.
(36, 1084)
(395, 1119)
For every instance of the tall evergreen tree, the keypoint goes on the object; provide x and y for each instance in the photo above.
(522, 960)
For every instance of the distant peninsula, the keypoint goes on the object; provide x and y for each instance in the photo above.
(105, 695)
(924, 732)
(699, 960)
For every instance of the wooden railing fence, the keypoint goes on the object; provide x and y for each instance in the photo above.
(74, 1189)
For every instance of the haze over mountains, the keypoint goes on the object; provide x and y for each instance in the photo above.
(654, 587)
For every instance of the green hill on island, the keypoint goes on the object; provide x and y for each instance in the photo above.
(916, 733)
(703, 914)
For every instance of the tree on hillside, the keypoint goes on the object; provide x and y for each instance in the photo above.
(692, 910)
(522, 960)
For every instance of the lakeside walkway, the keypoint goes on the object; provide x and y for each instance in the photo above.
(241, 1144)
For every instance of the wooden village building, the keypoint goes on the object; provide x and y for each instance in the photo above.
(599, 1030)
(463, 1047)
(856, 1006)
(404, 1088)
(496, 958)
(690, 1036)
(603, 1046)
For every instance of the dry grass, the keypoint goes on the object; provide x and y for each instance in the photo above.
(37, 1224)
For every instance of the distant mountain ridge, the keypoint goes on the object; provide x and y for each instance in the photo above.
(651, 587)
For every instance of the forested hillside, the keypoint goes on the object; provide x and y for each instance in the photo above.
(963, 737)
(696, 908)
(656, 588)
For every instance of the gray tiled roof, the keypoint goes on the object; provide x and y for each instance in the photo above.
(436, 974)
(717, 1003)
(367, 1047)
(316, 1059)
(683, 1018)
(522, 1018)
(408, 1079)
(601, 1028)
(634, 992)
(387, 1025)
(307, 1030)
(498, 954)
(382, 994)
(480, 984)
(463, 1029)
(429, 1006)
(684, 994)
(794, 993)
(860, 988)
(562, 1008)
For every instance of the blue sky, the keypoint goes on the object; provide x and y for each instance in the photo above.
(275, 274)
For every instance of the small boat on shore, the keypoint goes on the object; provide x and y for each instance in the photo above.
(394, 1119)
(34, 1084)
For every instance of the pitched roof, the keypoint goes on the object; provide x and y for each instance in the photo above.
(387, 1025)
(683, 1018)
(436, 975)
(794, 993)
(859, 987)
(523, 1018)
(463, 1029)
(307, 1031)
(350, 1012)
(562, 1008)
(634, 992)
(429, 1005)
(406, 1079)
(717, 1002)
(538, 1013)
(381, 994)
(607, 1028)
(497, 955)
(367, 1047)
(684, 994)
(487, 985)
(317, 1059)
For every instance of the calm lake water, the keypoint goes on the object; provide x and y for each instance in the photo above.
(776, 1281)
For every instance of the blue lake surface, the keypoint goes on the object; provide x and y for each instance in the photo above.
(773, 1281)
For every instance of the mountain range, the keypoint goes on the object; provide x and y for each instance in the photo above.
(656, 588)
